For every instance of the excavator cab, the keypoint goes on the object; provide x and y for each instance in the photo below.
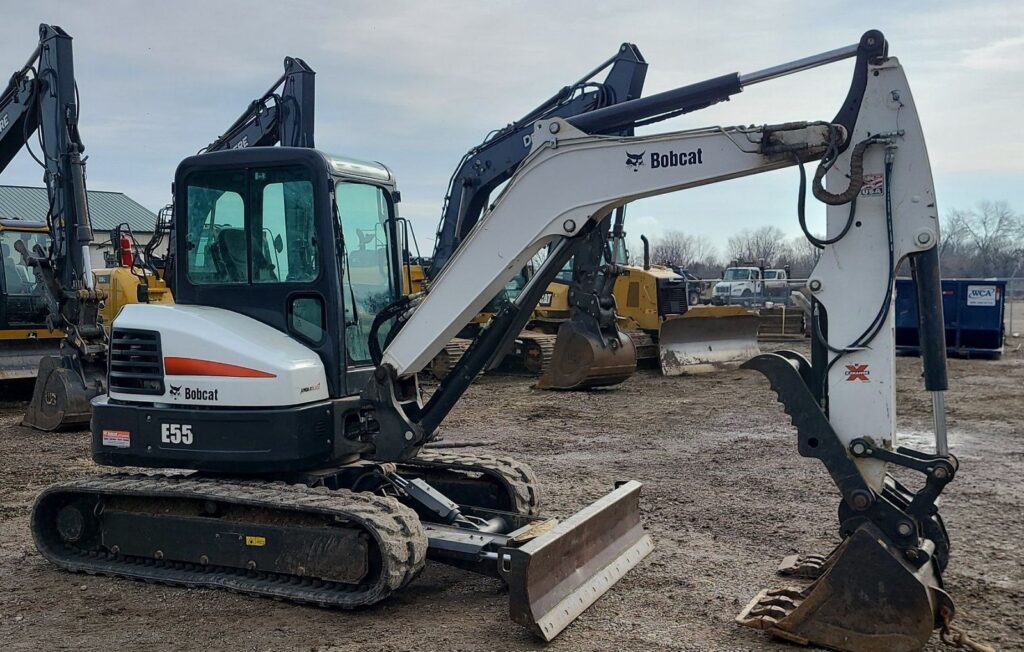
(24, 337)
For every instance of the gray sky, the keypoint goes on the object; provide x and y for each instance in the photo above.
(415, 85)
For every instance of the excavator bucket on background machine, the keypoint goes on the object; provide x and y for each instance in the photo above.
(582, 359)
(62, 394)
(707, 338)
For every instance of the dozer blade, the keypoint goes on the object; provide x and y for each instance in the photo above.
(580, 360)
(558, 575)
(60, 399)
(707, 338)
(868, 599)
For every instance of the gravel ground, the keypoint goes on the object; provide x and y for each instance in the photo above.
(725, 497)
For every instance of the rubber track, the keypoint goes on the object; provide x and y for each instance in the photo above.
(395, 528)
(519, 478)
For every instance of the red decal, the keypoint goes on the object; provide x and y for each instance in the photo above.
(857, 372)
(192, 367)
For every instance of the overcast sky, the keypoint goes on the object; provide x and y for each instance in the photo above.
(414, 85)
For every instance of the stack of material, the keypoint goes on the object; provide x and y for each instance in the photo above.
(781, 323)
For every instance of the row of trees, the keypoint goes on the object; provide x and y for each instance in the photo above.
(985, 241)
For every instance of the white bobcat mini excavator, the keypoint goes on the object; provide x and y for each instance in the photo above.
(287, 382)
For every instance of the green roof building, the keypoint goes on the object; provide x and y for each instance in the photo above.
(106, 210)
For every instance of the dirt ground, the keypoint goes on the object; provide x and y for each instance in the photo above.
(725, 497)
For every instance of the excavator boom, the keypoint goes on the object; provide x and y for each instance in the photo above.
(844, 419)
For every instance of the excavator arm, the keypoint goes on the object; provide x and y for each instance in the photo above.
(42, 99)
(284, 114)
(485, 167)
(881, 588)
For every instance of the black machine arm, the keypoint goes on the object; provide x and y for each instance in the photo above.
(490, 164)
(284, 114)
(42, 98)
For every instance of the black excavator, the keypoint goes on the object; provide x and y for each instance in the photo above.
(42, 98)
(610, 355)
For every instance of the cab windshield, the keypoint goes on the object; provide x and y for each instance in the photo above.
(251, 226)
(18, 278)
(737, 275)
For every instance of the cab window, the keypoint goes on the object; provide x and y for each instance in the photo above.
(251, 226)
(368, 275)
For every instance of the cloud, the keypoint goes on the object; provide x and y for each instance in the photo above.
(416, 84)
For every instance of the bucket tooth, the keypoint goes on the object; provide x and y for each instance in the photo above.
(705, 339)
(556, 576)
(581, 360)
(867, 599)
(805, 566)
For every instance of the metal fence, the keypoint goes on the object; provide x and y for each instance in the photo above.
(1014, 307)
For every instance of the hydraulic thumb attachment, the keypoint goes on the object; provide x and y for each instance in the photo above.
(881, 588)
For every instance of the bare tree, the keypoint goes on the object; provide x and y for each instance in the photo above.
(682, 249)
(801, 256)
(985, 241)
(767, 243)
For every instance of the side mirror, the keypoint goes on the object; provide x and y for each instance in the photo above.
(278, 243)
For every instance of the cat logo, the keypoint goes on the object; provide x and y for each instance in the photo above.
(635, 160)
(175, 391)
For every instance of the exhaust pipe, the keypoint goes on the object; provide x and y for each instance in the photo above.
(647, 252)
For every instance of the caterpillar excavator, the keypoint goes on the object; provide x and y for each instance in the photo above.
(41, 97)
(290, 390)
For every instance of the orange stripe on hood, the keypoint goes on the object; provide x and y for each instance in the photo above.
(193, 367)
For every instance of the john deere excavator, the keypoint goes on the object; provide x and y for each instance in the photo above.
(484, 168)
(42, 98)
(290, 390)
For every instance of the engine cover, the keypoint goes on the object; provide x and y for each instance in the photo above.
(205, 356)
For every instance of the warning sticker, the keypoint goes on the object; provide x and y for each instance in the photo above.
(982, 295)
(258, 541)
(874, 184)
(117, 438)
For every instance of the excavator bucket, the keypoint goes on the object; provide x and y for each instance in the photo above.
(60, 400)
(581, 360)
(706, 338)
(868, 598)
(558, 575)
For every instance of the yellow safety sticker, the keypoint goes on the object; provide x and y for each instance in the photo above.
(255, 541)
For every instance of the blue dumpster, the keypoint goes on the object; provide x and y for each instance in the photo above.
(973, 312)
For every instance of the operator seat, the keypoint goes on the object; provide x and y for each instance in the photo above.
(228, 252)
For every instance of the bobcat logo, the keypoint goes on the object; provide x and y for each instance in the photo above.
(175, 391)
(635, 160)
